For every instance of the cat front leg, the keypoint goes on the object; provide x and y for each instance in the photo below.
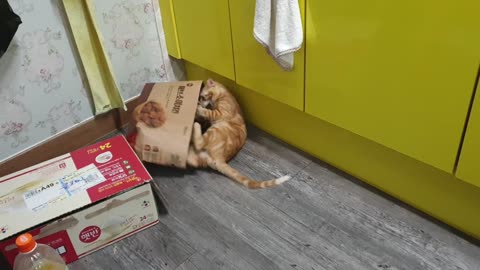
(198, 142)
(210, 115)
(203, 112)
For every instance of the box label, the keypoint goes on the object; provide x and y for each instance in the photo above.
(52, 192)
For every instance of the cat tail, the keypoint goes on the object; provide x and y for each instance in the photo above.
(230, 172)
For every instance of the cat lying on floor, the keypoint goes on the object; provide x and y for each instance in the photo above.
(225, 136)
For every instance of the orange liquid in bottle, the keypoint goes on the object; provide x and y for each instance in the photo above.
(49, 265)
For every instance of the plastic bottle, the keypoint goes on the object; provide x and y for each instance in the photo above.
(35, 256)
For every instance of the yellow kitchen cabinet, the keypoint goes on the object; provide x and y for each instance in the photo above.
(398, 73)
(168, 23)
(433, 191)
(204, 35)
(255, 69)
(468, 168)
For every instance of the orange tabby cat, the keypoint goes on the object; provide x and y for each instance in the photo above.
(225, 136)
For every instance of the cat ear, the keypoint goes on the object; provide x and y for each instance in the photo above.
(210, 83)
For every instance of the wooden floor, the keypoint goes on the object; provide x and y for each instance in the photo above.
(321, 219)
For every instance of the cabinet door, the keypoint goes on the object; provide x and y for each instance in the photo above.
(204, 34)
(254, 68)
(469, 163)
(400, 73)
(168, 23)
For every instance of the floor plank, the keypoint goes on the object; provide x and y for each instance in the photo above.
(206, 259)
(321, 219)
(266, 241)
(198, 228)
(415, 236)
(155, 248)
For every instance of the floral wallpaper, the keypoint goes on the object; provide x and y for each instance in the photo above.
(134, 40)
(43, 90)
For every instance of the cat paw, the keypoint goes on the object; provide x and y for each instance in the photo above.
(197, 129)
(200, 111)
(197, 126)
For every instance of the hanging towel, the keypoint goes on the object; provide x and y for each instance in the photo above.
(278, 27)
(98, 69)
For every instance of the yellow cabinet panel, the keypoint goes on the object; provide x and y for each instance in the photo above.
(255, 69)
(204, 34)
(168, 22)
(469, 164)
(400, 73)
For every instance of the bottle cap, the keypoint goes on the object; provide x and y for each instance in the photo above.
(25, 243)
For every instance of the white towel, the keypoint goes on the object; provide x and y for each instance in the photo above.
(278, 27)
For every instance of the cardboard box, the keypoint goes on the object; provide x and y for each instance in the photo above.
(79, 202)
(165, 114)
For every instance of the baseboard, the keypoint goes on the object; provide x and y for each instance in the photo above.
(82, 135)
